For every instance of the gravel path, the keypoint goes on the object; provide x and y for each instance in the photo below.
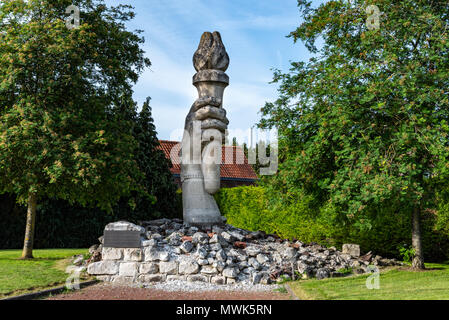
(175, 290)
(186, 286)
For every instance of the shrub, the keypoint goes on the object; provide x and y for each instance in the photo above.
(406, 253)
(62, 225)
(254, 208)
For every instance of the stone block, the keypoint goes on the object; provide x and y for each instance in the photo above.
(254, 263)
(164, 255)
(197, 278)
(302, 267)
(158, 222)
(104, 278)
(230, 272)
(242, 265)
(208, 270)
(351, 249)
(221, 255)
(149, 243)
(112, 253)
(103, 268)
(218, 240)
(149, 278)
(241, 257)
(133, 254)
(220, 280)
(346, 257)
(355, 264)
(128, 269)
(290, 253)
(168, 267)
(243, 277)
(201, 252)
(122, 279)
(215, 247)
(256, 278)
(265, 278)
(149, 268)
(249, 270)
(226, 236)
(94, 248)
(124, 226)
(203, 262)
(237, 235)
(151, 254)
(322, 273)
(186, 246)
(188, 266)
(176, 278)
(220, 265)
(200, 237)
(262, 258)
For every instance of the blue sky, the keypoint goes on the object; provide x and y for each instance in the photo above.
(254, 34)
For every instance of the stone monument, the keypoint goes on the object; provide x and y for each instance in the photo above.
(204, 130)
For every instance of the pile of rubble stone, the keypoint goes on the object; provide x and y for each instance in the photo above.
(171, 250)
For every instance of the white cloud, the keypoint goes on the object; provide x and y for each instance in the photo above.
(169, 83)
(172, 30)
(167, 74)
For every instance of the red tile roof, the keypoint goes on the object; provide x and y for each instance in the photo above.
(237, 169)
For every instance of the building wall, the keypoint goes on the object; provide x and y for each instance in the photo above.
(225, 183)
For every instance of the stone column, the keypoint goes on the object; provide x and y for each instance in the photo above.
(204, 133)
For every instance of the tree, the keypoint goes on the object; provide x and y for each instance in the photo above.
(157, 178)
(60, 136)
(365, 121)
(253, 153)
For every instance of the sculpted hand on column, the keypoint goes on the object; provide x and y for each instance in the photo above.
(211, 121)
(207, 110)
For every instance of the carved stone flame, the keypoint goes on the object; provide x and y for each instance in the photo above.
(211, 53)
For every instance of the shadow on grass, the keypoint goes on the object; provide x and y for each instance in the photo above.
(31, 260)
(410, 269)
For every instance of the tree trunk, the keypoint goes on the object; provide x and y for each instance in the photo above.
(27, 252)
(418, 260)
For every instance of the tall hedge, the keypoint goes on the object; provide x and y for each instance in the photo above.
(255, 209)
(60, 224)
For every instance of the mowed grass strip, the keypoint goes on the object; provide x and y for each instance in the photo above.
(45, 271)
(396, 284)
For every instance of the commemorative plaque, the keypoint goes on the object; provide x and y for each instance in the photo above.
(121, 239)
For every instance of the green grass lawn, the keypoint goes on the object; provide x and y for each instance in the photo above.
(396, 284)
(23, 276)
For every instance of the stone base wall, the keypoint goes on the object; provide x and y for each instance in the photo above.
(148, 265)
(171, 250)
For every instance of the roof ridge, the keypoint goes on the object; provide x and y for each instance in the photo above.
(228, 170)
(172, 141)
